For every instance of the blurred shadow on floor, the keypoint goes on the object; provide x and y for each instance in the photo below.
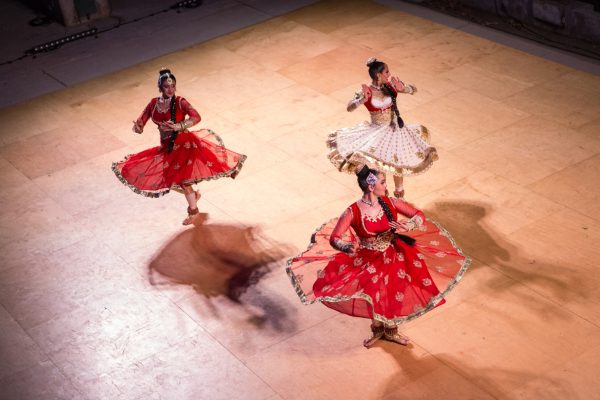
(216, 259)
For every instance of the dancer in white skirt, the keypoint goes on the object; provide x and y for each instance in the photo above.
(385, 143)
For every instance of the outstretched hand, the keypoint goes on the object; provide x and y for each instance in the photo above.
(137, 127)
(397, 83)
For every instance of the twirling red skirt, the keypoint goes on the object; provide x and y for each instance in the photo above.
(196, 156)
(396, 285)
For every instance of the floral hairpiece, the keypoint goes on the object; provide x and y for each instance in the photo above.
(168, 80)
(370, 61)
(371, 179)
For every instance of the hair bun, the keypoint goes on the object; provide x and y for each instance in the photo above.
(371, 61)
(362, 170)
(164, 71)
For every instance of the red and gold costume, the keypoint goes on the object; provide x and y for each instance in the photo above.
(195, 156)
(386, 279)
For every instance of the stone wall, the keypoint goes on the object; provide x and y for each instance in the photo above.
(71, 12)
(570, 18)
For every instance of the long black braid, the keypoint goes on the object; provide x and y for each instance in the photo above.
(386, 209)
(173, 120)
(390, 216)
(386, 89)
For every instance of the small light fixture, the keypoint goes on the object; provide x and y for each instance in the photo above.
(59, 42)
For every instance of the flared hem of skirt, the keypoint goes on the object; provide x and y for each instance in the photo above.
(350, 162)
(397, 320)
(176, 187)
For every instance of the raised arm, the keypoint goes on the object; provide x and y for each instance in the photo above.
(360, 98)
(342, 226)
(401, 87)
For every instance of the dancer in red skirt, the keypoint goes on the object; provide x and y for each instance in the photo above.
(394, 265)
(183, 157)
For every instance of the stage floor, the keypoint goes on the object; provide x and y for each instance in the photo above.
(86, 316)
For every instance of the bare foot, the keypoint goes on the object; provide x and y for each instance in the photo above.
(392, 335)
(377, 333)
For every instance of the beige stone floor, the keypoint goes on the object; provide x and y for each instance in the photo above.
(517, 184)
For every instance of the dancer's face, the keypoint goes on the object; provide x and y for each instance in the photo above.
(168, 88)
(384, 75)
(379, 188)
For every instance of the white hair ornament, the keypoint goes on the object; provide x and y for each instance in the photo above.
(371, 179)
(169, 80)
(370, 61)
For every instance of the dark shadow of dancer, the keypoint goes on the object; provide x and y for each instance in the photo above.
(467, 224)
(224, 260)
(452, 379)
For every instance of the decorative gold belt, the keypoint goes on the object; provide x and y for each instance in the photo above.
(378, 243)
(381, 117)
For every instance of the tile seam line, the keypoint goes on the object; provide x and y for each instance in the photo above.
(42, 352)
(48, 74)
(224, 347)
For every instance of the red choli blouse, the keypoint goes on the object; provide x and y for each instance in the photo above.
(182, 108)
(396, 85)
(367, 227)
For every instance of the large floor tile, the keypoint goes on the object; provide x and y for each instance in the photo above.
(44, 381)
(484, 199)
(348, 62)
(11, 176)
(331, 15)
(289, 110)
(193, 368)
(328, 353)
(32, 118)
(384, 32)
(529, 150)
(285, 41)
(493, 85)
(232, 85)
(573, 107)
(17, 350)
(77, 276)
(37, 225)
(518, 66)
(463, 116)
(440, 50)
(125, 327)
(570, 380)
(492, 327)
(574, 187)
(54, 150)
